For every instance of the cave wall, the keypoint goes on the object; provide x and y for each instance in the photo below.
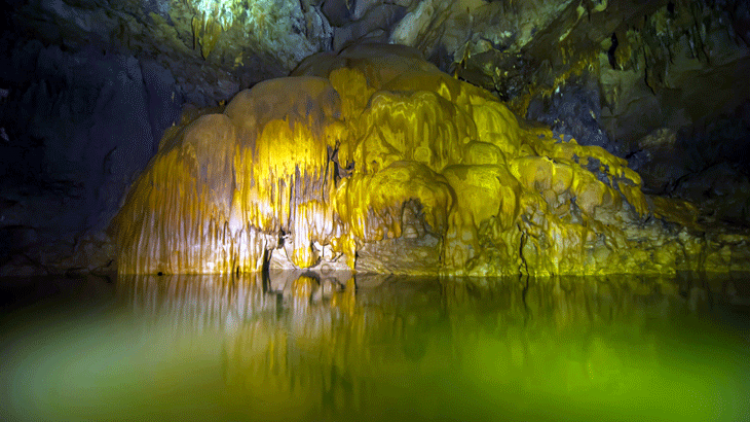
(662, 84)
(77, 127)
(87, 87)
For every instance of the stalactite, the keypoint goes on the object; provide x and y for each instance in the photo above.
(331, 156)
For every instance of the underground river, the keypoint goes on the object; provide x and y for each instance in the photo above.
(289, 347)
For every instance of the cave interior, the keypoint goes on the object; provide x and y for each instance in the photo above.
(419, 137)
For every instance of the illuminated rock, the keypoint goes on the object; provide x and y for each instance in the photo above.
(287, 31)
(374, 160)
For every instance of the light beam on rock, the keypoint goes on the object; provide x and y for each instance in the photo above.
(385, 162)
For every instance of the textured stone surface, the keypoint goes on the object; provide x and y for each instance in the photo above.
(79, 127)
(611, 74)
(380, 157)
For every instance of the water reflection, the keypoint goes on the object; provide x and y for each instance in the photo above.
(297, 347)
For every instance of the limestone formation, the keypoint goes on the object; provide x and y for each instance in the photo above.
(374, 160)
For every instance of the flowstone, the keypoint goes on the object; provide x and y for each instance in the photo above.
(374, 160)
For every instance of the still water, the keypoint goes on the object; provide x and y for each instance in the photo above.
(295, 348)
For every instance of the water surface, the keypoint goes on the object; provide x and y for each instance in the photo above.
(375, 348)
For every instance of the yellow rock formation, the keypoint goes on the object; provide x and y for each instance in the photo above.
(377, 150)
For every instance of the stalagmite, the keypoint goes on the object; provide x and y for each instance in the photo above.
(375, 160)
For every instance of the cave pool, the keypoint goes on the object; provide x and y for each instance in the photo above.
(285, 347)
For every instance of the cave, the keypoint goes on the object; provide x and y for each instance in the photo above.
(336, 209)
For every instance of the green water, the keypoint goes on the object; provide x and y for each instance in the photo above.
(375, 348)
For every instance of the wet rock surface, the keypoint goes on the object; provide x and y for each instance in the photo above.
(88, 87)
(438, 177)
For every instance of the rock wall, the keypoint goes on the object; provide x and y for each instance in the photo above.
(661, 84)
(77, 129)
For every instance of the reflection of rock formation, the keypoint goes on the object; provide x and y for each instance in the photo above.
(299, 354)
(198, 302)
(376, 160)
(287, 341)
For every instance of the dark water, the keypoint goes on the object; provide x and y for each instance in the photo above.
(375, 348)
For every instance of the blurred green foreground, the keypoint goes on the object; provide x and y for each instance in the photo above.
(291, 348)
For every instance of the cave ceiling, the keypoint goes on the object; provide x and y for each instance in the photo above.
(519, 50)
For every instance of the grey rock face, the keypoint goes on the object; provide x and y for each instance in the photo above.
(79, 127)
